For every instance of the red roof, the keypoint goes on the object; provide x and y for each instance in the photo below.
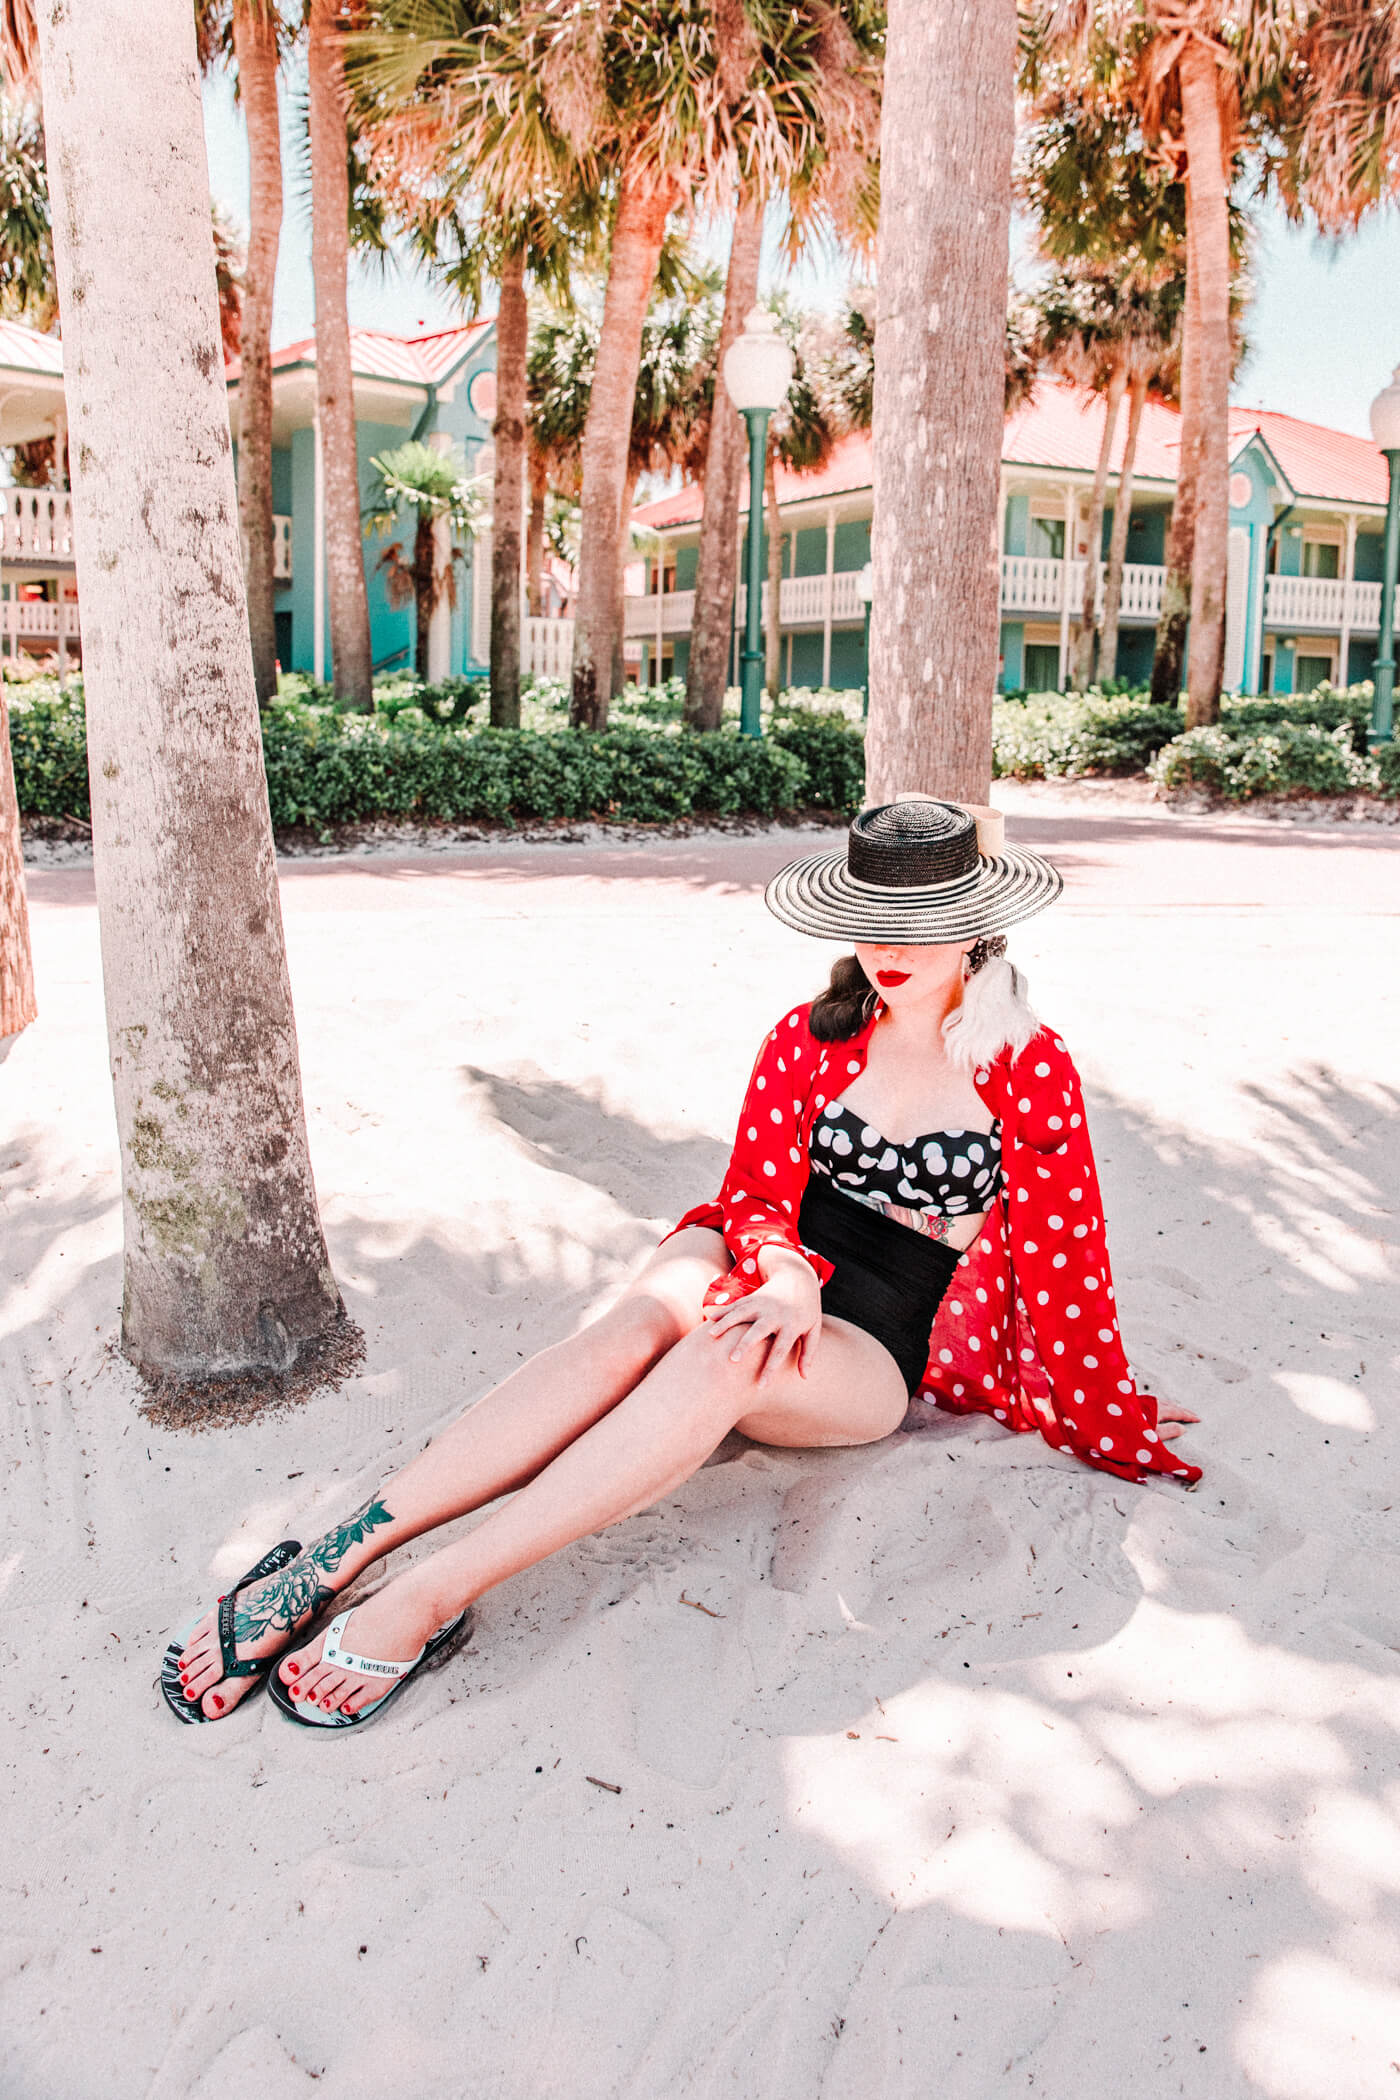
(25, 350)
(1329, 465)
(419, 360)
(1062, 428)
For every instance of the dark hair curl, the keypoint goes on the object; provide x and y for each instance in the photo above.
(843, 1009)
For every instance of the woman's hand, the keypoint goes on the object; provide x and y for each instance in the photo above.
(1178, 1415)
(782, 1317)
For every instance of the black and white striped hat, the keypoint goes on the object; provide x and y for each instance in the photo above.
(916, 871)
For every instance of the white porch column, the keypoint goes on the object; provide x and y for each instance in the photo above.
(62, 625)
(318, 561)
(60, 445)
(1071, 526)
(1348, 574)
(830, 588)
(660, 609)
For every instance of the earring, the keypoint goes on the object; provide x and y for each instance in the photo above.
(983, 951)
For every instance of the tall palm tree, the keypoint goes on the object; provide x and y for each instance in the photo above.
(437, 109)
(226, 1268)
(822, 71)
(352, 663)
(1208, 80)
(26, 238)
(256, 29)
(436, 488)
(939, 389)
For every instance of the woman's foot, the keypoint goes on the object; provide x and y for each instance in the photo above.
(268, 1613)
(391, 1626)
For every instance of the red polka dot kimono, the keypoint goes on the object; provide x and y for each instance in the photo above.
(1028, 1331)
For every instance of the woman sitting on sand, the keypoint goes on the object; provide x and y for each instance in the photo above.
(911, 1206)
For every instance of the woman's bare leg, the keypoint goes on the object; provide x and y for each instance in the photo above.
(657, 1436)
(495, 1445)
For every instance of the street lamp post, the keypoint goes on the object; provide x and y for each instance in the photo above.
(865, 591)
(1385, 429)
(757, 375)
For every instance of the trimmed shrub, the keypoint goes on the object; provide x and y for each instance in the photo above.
(1062, 735)
(1240, 760)
(832, 753)
(48, 741)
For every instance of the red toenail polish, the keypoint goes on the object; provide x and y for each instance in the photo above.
(218, 1702)
(294, 1668)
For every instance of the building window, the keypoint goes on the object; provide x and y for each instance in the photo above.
(1322, 558)
(1309, 672)
(1046, 537)
(1041, 669)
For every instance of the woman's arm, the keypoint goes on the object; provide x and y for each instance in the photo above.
(761, 1194)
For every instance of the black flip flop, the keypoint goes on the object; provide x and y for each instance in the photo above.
(172, 1691)
(435, 1651)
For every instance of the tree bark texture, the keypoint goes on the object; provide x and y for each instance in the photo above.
(945, 176)
(1118, 535)
(508, 494)
(352, 662)
(255, 49)
(17, 1005)
(773, 628)
(1169, 648)
(534, 537)
(225, 1263)
(1083, 674)
(1207, 204)
(425, 568)
(644, 204)
(726, 455)
(618, 674)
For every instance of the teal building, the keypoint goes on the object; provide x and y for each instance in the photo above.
(440, 389)
(1307, 508)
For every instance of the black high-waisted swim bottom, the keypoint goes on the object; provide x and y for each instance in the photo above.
(889, 1279)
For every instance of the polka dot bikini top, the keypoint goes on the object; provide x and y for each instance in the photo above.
(947, 1174)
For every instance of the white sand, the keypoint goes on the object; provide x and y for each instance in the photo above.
(992, 1776)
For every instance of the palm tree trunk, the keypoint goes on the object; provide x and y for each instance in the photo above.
(773, 631)
(226, 1268)
(1118, 536)
(707, 672)
(352, 664)
(939, 356)
(508, 496)
(1169, 649)
(644, 204)
(255, 49)
(1083, 674)
(424, 586)
(618, 675)
(534, 538)
(1207, 205)
(17, 1007)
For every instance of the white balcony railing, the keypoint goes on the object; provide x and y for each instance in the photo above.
(37, 619)
(36, 525)
(546, 648)
(1036, 583)
(1030, 583)
(281, 550)
(1319, 602)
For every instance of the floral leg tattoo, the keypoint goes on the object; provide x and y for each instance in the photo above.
(286, 1600)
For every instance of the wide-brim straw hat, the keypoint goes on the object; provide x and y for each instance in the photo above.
(915, 871)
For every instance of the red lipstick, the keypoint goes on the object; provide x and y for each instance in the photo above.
(891, 977)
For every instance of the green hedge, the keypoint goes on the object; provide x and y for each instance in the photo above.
(325, 767)
(1238, 761)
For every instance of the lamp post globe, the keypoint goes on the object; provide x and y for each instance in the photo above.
(1385, 429)
(757, 374)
